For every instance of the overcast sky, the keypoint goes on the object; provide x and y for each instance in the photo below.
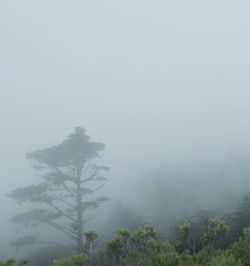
(156, 81)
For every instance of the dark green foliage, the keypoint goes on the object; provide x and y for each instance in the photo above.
(241, 248)
(214, 233)
(144, 248)
(23, 262)
(185, 235)
(188, 235)
(186, 259)
(73, 260)
(225, 260)
(13, 262)
(165, 259)
(238, 220)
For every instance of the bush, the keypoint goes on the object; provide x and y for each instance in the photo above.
(225, 260)
(12, 262)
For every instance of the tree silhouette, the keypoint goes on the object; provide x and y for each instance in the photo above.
(67, 169)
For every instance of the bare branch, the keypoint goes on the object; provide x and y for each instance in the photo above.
(99, 187)
(94, 175)
(66, 202)
(69, 190)
(62, 212)
(57, 226)
(88, 219)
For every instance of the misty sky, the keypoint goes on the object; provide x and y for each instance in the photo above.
(156, 81)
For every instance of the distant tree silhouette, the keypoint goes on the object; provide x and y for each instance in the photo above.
(66, 170)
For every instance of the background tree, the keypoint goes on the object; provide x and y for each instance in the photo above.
(67, 171)
(121, 216)
(239, 219)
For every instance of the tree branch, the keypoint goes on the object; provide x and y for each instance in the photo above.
(62, 212)
(58, 227)
(88, 219)
(69, 190)
(99, 187)
(66, 202)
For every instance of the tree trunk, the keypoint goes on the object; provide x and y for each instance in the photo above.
(79, 214)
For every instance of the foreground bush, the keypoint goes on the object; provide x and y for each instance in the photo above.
(144, 248)
(13, 262)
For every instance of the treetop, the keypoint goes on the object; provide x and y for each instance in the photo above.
(76, 149)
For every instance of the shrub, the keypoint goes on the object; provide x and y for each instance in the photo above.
(225, 260)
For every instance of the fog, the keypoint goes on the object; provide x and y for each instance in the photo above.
(163, 84)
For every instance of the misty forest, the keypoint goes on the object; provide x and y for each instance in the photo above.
(125, 133)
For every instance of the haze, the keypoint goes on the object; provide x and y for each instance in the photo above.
(164, 84)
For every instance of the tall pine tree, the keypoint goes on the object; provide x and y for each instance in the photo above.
(67, 170)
